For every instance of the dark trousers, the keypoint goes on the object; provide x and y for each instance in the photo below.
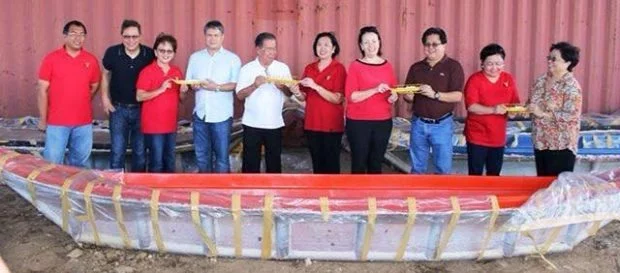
(161, 152)
(479, 156)
(368, 140)
(554, 162)
(253, 140)
(125, 128)
(325, 151)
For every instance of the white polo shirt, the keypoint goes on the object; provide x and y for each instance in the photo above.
(223, 67)
(263, 108)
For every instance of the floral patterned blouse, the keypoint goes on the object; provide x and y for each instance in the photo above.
(562, 99)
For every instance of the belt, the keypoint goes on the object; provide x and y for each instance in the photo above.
(434, 120)
(129, 105)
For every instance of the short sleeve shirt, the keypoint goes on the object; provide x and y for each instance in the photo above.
(263, 108)
(124, 71)
(322, 115)
(364, 76)
(159, 114)
(446, 76)
(70, 78)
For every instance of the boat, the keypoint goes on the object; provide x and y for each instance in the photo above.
(395, 217)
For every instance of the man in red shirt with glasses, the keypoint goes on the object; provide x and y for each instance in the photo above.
(68, 79)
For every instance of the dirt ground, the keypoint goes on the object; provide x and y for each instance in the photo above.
(31, 243)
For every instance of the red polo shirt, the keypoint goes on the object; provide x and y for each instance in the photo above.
(322, 115)
(159, 114)
(69, 98)
(364, 76)
(488, 130)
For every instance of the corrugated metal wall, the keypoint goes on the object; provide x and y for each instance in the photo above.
(525, 28)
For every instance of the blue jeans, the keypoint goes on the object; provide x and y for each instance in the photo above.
(161, 152)
(212, 140)
(124, 128)
(425, 136)
(79, 140)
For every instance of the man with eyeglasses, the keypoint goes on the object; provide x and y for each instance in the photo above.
(441, 79)
(68, 79)
(217, 70)
(262, 117)
(122, 63)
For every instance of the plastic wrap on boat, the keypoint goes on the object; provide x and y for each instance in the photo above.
(326, 217)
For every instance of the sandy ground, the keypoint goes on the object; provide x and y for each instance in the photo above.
(31, 243)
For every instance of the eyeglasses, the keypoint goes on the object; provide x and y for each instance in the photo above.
(493, 64)
(76, 34)
(131, 37)
(433, 45)
(165, 51)
(551, 58)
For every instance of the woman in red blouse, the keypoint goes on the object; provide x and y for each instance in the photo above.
(160, 103)
(322, 87)
(487, 93)
(369, 104)
(555, 104)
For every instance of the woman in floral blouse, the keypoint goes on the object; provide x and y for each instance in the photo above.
(555, 105)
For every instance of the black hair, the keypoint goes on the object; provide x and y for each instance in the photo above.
(127, 23)
(368, 29)
(569, 52)
(260, 38)
(213, 24)
(65, 29)
(435, 31)
(490, 50)
(165, 38)
(331, 37)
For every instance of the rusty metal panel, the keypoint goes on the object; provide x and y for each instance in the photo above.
(525, 28)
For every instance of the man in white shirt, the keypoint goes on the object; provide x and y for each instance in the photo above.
(262, 118)
(217, 69)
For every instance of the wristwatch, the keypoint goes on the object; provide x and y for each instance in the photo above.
(436, 96)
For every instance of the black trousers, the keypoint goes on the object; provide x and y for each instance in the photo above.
(253, 140)
(554, 162)
(368, 140)
(325, 151)
(479, 156)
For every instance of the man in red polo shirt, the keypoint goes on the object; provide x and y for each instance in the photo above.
(68, 79)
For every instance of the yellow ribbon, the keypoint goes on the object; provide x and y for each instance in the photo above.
(195, 202)
(236, 214)
(4, 158)
(370, 227)
(324, 202)
(89, 208)
(64, 200)
(32, 176)
(404, 239)
(494, 214)
(155, 220)
(116, 198)
(456, 213)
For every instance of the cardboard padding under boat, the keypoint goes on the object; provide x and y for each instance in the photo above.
(326, 217)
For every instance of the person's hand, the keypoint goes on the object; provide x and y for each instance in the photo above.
(209, 84)
(184, 88)
(42, 125)
(427, 90)
(259, 80)
(309, 82)
(382, 88)
(499, 109)
(166, 84)
(393, 98)
(408, 97)
(108, 108)
(295, 90)
(536, 111)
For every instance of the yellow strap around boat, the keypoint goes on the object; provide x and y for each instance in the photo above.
(236, 214)
(4, 158)
(195, 202)
(155, 220)
(596, 225)
(65, 203)
(267, 226)
(89, 208)
(370, 227)
(494, 214)
(324, 202)
(32, 176)
(554, 234)
(456, 213)
(116, 199)
(540, 253)
(404, 239)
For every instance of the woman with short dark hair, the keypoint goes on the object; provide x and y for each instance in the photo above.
(322, 87)
(555, 104)
(487, 93)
